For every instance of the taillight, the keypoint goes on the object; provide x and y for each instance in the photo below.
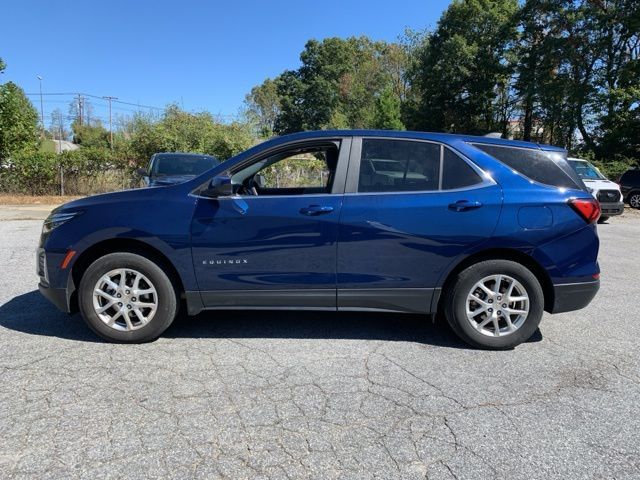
(588, 209)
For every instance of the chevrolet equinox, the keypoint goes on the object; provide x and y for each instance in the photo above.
(489, 233)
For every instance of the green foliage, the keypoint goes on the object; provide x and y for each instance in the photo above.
(92, 135)
(263, 106)
(387, 115)
(463, 65)
(613, 169)
(18, 122)
(338, 84)
(29, 172)
(180, 131)
(2, 65)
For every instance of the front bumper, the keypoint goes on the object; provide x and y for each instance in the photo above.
(57, 296)
(611, 209)
(573, 296)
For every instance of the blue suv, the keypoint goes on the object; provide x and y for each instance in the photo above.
(489, 233)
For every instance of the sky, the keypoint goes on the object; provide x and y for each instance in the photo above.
(203, 55)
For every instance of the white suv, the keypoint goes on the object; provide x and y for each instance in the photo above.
(604, 190)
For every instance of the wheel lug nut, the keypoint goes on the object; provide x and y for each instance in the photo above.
(490, 301)
(490, 310)
(133, 299)
(127, 292)
(504, 305)
(129, 307)
(119, 304)
(499, 312)
(119, 295)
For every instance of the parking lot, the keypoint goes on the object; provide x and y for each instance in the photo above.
(320, 395)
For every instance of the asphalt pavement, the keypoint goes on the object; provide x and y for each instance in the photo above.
(319, 395)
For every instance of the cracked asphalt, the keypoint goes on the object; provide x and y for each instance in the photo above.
(319, 395)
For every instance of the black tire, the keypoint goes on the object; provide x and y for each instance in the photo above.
(634, 200)
(455, 304)
(602, 219)
(167, 300)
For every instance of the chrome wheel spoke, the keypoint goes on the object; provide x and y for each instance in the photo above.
(496, 326)
(104, 294)
(496, 287)
(485, 321)
(125, 299)
(516, 299)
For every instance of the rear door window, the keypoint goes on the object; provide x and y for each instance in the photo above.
(398, 166)
(549, 168)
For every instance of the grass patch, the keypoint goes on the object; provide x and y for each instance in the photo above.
(36, 199)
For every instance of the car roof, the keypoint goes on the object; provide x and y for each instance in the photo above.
(433, 136)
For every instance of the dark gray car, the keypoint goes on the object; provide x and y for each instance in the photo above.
(176, 167)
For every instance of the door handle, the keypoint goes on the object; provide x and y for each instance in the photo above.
(314, 210)
(464, 205)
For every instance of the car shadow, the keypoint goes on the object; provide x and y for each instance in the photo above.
(32, 314)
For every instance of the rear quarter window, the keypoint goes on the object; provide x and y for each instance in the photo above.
(548, 168)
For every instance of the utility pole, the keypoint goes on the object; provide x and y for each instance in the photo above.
(41, 105)
(79, 109)
(110, 129)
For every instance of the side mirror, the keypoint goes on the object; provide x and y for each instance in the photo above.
(220, 186)
(142, 172)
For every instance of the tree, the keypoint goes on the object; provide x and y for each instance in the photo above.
(388, 116)
(180, 131)
(18, 121)
(57, 126)
(263, 106)
(2, 65)
(338, 84)
(92, 135)
(463, 64)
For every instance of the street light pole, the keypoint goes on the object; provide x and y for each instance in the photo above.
(110, 129)
(41, 105)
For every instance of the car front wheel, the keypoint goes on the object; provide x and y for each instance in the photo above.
(127, 298)
(634, 200)
(495, 304)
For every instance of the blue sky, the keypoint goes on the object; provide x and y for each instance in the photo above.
(204, 54)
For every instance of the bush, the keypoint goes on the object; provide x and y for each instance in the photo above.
(613, 169)
(80, 172)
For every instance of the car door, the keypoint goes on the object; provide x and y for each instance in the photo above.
(274, 249)
(401, 230)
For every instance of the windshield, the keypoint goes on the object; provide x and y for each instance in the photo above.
(175, 164)
(586, 171)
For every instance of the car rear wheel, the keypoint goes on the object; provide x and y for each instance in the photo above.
(494, 304)
(634, 199)
(127, 298)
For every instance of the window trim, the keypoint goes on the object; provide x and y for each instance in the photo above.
(353, 173)
(338, 187)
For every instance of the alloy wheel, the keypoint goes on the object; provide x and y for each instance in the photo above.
(497, 305)
(125, 299)
(634, 200)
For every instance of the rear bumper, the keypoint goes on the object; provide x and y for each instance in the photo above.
(573, 296)
(611, 209)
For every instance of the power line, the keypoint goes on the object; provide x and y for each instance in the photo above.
(99, 97)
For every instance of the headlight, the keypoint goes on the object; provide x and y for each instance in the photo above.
(56, 219)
